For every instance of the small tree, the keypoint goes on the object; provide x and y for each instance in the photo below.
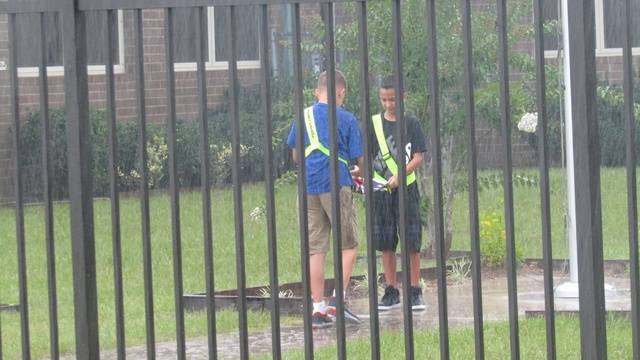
(450, 67)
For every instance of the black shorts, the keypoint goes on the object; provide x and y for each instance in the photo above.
(386, 219)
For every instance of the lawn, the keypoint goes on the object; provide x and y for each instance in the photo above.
(528, 219)
(527, 227)
(461, 342)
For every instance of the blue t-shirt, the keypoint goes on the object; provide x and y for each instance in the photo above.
(349, 148)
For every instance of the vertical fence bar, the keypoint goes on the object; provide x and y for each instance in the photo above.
(80, 182)
(336, 223)
(505, 115)
(545, 204)
(173, 184)
(632, 207)
(205, 180)
(581, 15)
(48, 199)
(401, 135)
(265, 44)
(474, 223)
(363, 41)
(144, 184)
(17, 182)
(437, 179)
(110, 44)
(237, 184)
(302, 179)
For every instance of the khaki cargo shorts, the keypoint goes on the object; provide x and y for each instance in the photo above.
(319, 216)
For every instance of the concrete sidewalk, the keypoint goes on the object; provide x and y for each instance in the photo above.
(460, 311)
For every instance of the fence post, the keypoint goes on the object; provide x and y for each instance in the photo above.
(581, 16)
(80, 181)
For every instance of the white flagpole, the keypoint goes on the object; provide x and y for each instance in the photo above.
(569, 288)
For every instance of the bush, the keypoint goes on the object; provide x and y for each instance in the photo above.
(611, 123)
(31, 154)
(31, 159)
(187, 147)
(493, 246)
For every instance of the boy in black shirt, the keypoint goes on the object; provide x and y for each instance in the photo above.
(385, 195)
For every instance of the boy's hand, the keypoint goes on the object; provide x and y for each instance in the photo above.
(393, 182)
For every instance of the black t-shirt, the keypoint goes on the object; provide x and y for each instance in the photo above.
(416, 143)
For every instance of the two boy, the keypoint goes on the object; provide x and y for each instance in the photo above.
(383, 152)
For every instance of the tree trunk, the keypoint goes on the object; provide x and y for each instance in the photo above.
(450, 167)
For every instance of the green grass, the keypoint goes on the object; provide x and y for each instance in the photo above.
(527, 227)
(528, 219)
(496, 339)
(193, 266)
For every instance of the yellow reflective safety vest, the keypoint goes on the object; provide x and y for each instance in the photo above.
(314, 140)
(386, 155)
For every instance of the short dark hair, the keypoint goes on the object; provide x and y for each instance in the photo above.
(388, 82)
(340, 80)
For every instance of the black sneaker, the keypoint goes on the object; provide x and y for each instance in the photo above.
(390, 299)
(417, 303)
(349, 315)
(320, 321)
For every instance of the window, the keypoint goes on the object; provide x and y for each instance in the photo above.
(609, 27)
(216, 51)
(27, 34)
(550, 13)
(185, 28)
(613, 12)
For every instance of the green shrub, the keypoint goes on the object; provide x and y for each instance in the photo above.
(493, 246)
(31, 158)
(187, 146)
(611, 125)
(31, 153)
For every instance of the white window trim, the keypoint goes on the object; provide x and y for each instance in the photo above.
(601, 51)
(28, 72)
(611, 52)
(215, 65)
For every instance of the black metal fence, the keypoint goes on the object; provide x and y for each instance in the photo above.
(582, 36)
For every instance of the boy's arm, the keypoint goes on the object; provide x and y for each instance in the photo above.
(294, 155)
(415, 163)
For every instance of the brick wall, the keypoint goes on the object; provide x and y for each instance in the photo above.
(155, 92)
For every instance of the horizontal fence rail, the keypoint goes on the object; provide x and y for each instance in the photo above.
(33, 6)
(73, 15)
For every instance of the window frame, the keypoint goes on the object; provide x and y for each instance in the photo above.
(601, 51)
(215, 64)
(58, 70)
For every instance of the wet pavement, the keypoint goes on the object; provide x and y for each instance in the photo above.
(460, 311)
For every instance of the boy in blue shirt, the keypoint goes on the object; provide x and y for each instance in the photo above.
(319, 199)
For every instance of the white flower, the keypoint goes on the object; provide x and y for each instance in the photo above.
(258, 213)
(528, 122)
